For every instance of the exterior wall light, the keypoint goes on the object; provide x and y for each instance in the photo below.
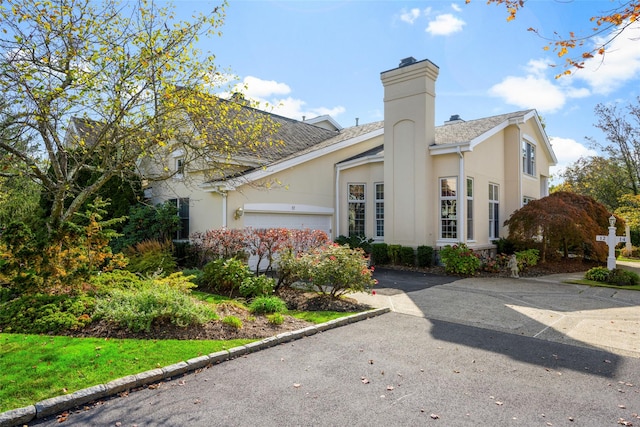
(238, 213)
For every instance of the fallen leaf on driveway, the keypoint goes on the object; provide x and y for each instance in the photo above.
(434, 416)
(389, 387)
(365, 380)
(296, 385)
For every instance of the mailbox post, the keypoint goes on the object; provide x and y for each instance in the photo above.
(611, 240)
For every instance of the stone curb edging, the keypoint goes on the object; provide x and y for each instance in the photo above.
(55, 405)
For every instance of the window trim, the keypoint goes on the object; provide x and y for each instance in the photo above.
(469, 209)
(356, 203)
(448, 221)
(494, 208)
(379, 214)
(528, 158)
(179, 203)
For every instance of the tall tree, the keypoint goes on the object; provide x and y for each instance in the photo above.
(621, 130)
(100, 86)
(612, 22)
(604, 179)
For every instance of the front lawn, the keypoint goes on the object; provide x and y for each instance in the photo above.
(37, 367)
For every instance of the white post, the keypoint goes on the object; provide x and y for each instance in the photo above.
(611, 241)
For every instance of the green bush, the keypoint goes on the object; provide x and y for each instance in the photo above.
(116, 279)
(459, 259)
(407, 256)
(425, 256)
(394, 253)
(620, 277)
(263, 305)
(232, 321)
(225, 275)
(138, 310)
(275, 318)
(335, 270)
(355, 242)
(44, 314)
(379, 254)
(505, 246)
(597, 274)
(195, 274)
(151, 257)
(255, 286)
(527, 258)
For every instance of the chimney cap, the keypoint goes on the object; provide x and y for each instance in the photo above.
(407, 61)
(455, 118)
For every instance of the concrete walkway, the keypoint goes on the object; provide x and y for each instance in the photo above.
(544, 308)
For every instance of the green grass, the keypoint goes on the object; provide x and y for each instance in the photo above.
(601, 284)
(622, 258)
(37, 367)
(318, 316)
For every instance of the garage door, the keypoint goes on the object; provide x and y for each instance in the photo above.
(285, 220)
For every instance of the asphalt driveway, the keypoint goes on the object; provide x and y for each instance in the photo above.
(451, 353)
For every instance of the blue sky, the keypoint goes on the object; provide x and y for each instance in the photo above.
(325, 57)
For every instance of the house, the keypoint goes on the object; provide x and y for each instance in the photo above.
(403, 180)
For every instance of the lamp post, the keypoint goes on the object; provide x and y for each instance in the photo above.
(611, 241)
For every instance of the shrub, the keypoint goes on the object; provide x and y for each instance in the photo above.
(43, 314)
(505, 246)
(262, 305)
(275, 318)
(232, 321)
(379, 254)
(425, 256)
(220, 243)
(598, 274)
(254, 286)
(394, 253)
(288, 267)
(620, 277)
(527, 258)
(138, 310)
(116, 279)
(335, 270)
(195, 275)
(407, 256)
(355, 242)
(459, 259)
(151, 257)
(633, 253)
(225, 275)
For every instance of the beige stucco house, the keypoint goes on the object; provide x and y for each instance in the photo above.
(403, 180)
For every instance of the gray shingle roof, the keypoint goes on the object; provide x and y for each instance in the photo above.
(467, 131)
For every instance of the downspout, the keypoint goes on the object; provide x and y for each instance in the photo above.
(520, 171)
(336, 215)
(223, 193)
(462, 197)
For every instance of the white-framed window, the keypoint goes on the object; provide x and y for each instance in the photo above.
(494, 211)
(528, 158)
(356, 209)
(526, 200)
(448, 208)
(469, 208)
(183, 213)
(379, 209)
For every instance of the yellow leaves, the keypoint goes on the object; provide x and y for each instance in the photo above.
(562, 51)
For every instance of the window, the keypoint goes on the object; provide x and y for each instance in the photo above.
(183, 213)
(379, 210)
(356, 209)
(494, 209)
(469, 208)
(448, 208)
(528, 158)
(526, 200)
(180, 166)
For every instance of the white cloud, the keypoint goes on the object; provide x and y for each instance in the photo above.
(619, 65)
(530, 92)
(456, 7)
(567, 151)
(410, 16)
(444, 25)
(258, 88)
(268, 95)
(537, 91)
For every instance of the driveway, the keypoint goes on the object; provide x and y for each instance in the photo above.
(470, 352)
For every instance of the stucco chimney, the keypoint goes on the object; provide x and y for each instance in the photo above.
(409, 129)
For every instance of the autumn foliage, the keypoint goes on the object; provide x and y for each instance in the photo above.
(562, 222)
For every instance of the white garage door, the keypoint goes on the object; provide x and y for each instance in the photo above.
(285, 220)
(293, 221)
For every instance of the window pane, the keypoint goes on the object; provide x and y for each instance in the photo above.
(448, 187)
